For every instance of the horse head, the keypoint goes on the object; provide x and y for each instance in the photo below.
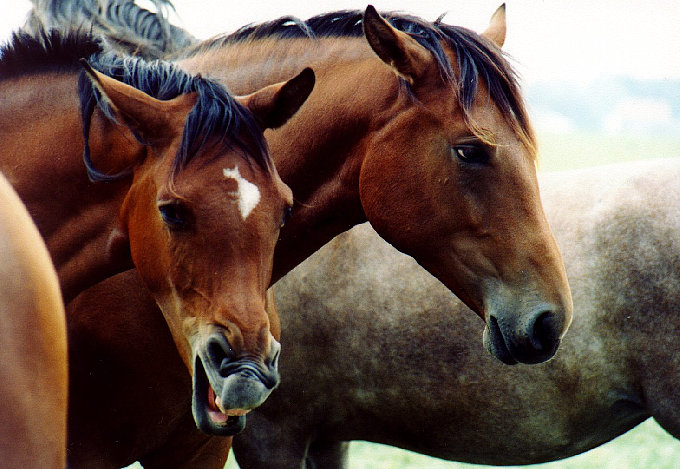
(460, 141)
(201, 231)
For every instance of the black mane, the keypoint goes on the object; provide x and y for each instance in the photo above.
(50, 51)
(215, 117)
(476, 56)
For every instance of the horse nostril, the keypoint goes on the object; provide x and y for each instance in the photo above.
(218, 351)
(545, 334)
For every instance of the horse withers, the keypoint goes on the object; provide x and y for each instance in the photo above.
(33, 361)
(164, 171)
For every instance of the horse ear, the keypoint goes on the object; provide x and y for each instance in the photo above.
(396, 48)
(275, 104)
(496, 30)
(150, 120)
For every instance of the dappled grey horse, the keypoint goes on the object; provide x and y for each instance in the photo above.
(376, 349)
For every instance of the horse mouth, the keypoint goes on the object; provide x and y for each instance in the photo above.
(210, 415)
(216, 410)
(494, 342)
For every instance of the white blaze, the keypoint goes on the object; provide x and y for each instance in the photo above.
(247, 193)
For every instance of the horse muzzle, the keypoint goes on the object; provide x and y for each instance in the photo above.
(530, 339)
(227, 387)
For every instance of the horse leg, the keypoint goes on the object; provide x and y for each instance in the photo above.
(323, 454)
(663, 404)
(189, 448)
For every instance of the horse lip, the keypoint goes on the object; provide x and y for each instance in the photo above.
(200, 407)
(229, 412)
(494, 342)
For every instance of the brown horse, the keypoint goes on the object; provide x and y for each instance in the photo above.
(381, 143)
(620, 237)
(33, 374)
(196, 207)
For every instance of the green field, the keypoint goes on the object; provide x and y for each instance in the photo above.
(646, 446)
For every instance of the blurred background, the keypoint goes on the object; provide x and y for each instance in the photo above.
(602, 81)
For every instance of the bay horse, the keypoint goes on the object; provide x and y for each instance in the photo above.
(33, 360)
(163, 171)
(620, 238)
(417, 127)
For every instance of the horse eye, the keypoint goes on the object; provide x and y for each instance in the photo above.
(174, 214)
(287, 214)
(472, 154)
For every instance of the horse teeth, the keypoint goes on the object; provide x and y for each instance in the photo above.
(229, 412)
(218, 404)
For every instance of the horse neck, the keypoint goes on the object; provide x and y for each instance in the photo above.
(319, 152)
(41, 131)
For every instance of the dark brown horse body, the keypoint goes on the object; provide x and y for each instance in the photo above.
(620, 237)
(444, 171)
(33, 360)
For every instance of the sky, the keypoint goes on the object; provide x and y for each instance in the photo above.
(572, 40)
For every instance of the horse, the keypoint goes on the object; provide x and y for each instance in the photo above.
(33, 370)
(163, 171)
(417, 127)
(620, 238)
